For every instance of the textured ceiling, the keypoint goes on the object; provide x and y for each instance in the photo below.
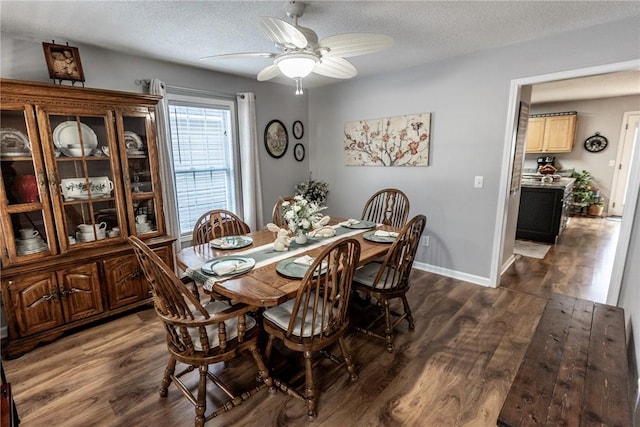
(184, 31)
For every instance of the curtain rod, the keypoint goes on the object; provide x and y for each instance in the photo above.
(188, 90)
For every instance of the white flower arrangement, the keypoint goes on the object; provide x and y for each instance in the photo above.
(301, 214)
(313, 191)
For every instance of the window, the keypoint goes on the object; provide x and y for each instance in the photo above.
(204, 157)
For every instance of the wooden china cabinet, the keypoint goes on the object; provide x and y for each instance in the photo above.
(74, 157)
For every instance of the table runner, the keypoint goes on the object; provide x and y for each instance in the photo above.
(265, 255)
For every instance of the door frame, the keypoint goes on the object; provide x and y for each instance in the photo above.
(507, 167)
(624, 154)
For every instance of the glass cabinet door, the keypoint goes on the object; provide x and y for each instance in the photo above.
(141, 175)
(26, 223)
(85, 176)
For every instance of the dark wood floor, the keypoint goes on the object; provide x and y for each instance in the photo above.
(454, 369)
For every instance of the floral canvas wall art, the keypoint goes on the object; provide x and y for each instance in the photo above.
(392, 141)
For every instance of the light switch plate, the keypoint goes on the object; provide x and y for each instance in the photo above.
(478, 182)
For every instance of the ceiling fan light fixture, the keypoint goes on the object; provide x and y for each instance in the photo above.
(297, 65)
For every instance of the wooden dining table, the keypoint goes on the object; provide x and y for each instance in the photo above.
(264, 286)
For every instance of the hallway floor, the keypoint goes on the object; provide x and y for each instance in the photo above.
(579, 265)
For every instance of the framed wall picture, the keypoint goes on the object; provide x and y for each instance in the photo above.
(298, 152)
(276, 139)
(63, 62)
(298, 129)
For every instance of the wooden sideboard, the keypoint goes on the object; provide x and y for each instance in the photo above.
(72, 156)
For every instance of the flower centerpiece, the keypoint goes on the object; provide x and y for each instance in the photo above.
(301, 214)
(313, 190)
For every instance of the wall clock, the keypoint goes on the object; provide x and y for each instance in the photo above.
(276, 139)
(298, 129)
(298, 152)
(595, 143)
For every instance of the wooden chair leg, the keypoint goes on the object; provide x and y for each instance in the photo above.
(263, 371)
(309, 391)
(268, 348)
(388, 326)
(407, 312)
(201, 402)
(348, 362)
(166, 379)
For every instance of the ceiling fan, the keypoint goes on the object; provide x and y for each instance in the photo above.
(301, 53)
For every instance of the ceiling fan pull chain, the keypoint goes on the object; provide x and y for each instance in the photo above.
(299, 90)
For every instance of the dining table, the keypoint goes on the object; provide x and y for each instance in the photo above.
(263, 285)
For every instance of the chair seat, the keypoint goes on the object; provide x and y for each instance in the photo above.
(367, 275)
(231, 326)
(281, 314)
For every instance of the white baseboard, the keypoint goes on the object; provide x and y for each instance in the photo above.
(508, 263)
(477, 280)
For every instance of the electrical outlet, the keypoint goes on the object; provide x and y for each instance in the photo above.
(425, 241)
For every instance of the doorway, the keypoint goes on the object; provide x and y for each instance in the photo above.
(505, 213)
(628, 136)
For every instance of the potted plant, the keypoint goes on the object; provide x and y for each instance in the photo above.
(596, 207)
(582, 192)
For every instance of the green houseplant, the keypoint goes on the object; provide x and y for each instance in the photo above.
(582, 192)
(585, 194)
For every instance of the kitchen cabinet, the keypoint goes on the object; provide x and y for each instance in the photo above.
(551, 133)
(544, 211)
(79, 166)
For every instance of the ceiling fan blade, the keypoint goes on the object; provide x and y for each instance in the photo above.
(241, 55)
(283, 33)
(268, 73)
(338, 68)
(354, 44)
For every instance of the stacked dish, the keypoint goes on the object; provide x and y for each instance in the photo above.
(90, 232)
(30, 245)
(90, 236)
(14, 143)
(73, 138)
(133, 143)
(144, 228)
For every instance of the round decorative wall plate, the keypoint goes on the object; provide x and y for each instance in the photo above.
(596, 143)
(298, 129)
(298, 152)
(276, 139)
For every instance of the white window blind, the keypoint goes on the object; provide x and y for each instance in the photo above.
(204, 160)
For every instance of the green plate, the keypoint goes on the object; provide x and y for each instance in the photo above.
(360, 225)
(371, 236)
(289, 268)
(231, 262)
(231, 242)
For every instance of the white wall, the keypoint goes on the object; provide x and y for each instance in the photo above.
(594, 115)
(23, 59)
